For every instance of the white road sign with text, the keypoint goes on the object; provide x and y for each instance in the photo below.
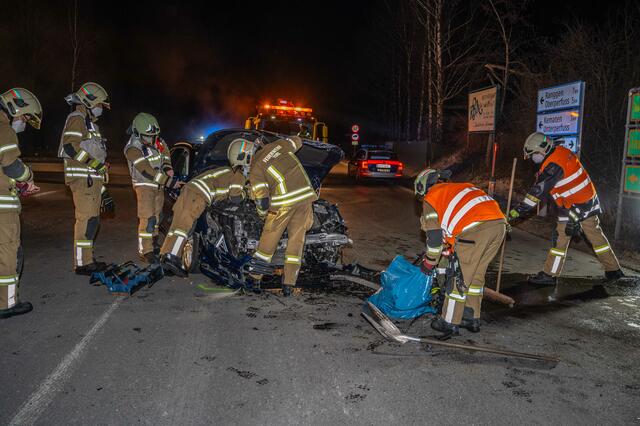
(560, 97)
(482, 110)
(559, 123)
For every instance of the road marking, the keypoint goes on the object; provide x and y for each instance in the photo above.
(42, 194)
(42, 397)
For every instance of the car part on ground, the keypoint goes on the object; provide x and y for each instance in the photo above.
(389, 330)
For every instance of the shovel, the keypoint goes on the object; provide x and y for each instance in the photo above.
(388, 329)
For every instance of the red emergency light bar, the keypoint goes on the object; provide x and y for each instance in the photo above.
(287, 108)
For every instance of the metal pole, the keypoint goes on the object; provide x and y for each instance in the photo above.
(504, 243)
(616, 234)
(492, 179)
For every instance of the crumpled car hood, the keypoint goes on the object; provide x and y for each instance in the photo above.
(317, 158)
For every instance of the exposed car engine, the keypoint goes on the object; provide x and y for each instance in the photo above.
(238, 228)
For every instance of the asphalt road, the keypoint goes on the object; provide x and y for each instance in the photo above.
(171, 355)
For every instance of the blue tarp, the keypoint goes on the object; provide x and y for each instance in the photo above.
(405, 292)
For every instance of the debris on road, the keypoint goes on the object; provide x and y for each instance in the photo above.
(389, 330)
(122, 279)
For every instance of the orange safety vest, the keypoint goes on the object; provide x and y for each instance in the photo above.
(575, 187)
(461, 206)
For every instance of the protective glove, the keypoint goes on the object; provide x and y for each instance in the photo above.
(426, 267)
(26, 189)
(174, 183)
(100, 168)
(107, 206)
(572, 229)
(513, 215)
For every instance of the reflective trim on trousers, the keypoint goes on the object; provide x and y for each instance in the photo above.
(9, 279)
(475, 291)
(262, 256)
(602, 249)
(79, 246)
(293, 260)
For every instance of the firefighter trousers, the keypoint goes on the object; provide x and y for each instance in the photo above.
(187, 209)
(86, 199)
(9, 245)
(150, 201)
(475, 248)
(296, 220)
(594, 235)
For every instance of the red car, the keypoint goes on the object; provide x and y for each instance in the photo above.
(377, 164)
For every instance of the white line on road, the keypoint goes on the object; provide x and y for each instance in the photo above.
(42, 194)
(42, 397)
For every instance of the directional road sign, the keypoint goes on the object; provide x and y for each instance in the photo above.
(560, 97)
(559, 123)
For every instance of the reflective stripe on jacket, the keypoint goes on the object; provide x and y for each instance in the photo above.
(276, 173)
(157, 159)
(218, 184)
(84, 135)
(461, 206)
(575, 187)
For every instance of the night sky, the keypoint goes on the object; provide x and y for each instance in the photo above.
(199, 66)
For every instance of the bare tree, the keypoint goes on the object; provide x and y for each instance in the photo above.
(75, 42)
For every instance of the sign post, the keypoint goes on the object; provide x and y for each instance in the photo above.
(630, 170)
(482, 119)
(355, 137)
(560, 110)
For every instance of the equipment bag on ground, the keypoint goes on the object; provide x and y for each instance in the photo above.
(405, 292)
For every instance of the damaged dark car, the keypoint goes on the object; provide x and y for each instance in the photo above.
(226, 235)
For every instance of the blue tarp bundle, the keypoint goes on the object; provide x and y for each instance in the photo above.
(405, 292)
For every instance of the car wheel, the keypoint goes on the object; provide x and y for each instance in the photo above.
(191, 254)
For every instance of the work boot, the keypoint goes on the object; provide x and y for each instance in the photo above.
(614, 275)
(542, 278)
(17, 309)
(471, 324)
(150, 257)
(447, 329)
(90, 268)
(468, 321)
(172, 265)
(287, 290)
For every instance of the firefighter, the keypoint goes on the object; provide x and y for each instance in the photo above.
(84, 152)
(151, 172)
(200, 192)
(563, 177)
(17, 108)
(283, 195)
(459, 219)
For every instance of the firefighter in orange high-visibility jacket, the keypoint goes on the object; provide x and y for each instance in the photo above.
(564, 178)
(284, 196)
(150, 168)
(462, 219)
(84, 152)
(17, 108)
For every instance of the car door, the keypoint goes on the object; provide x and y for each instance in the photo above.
(181, 161)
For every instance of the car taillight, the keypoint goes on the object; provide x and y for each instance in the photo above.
(364, 165)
